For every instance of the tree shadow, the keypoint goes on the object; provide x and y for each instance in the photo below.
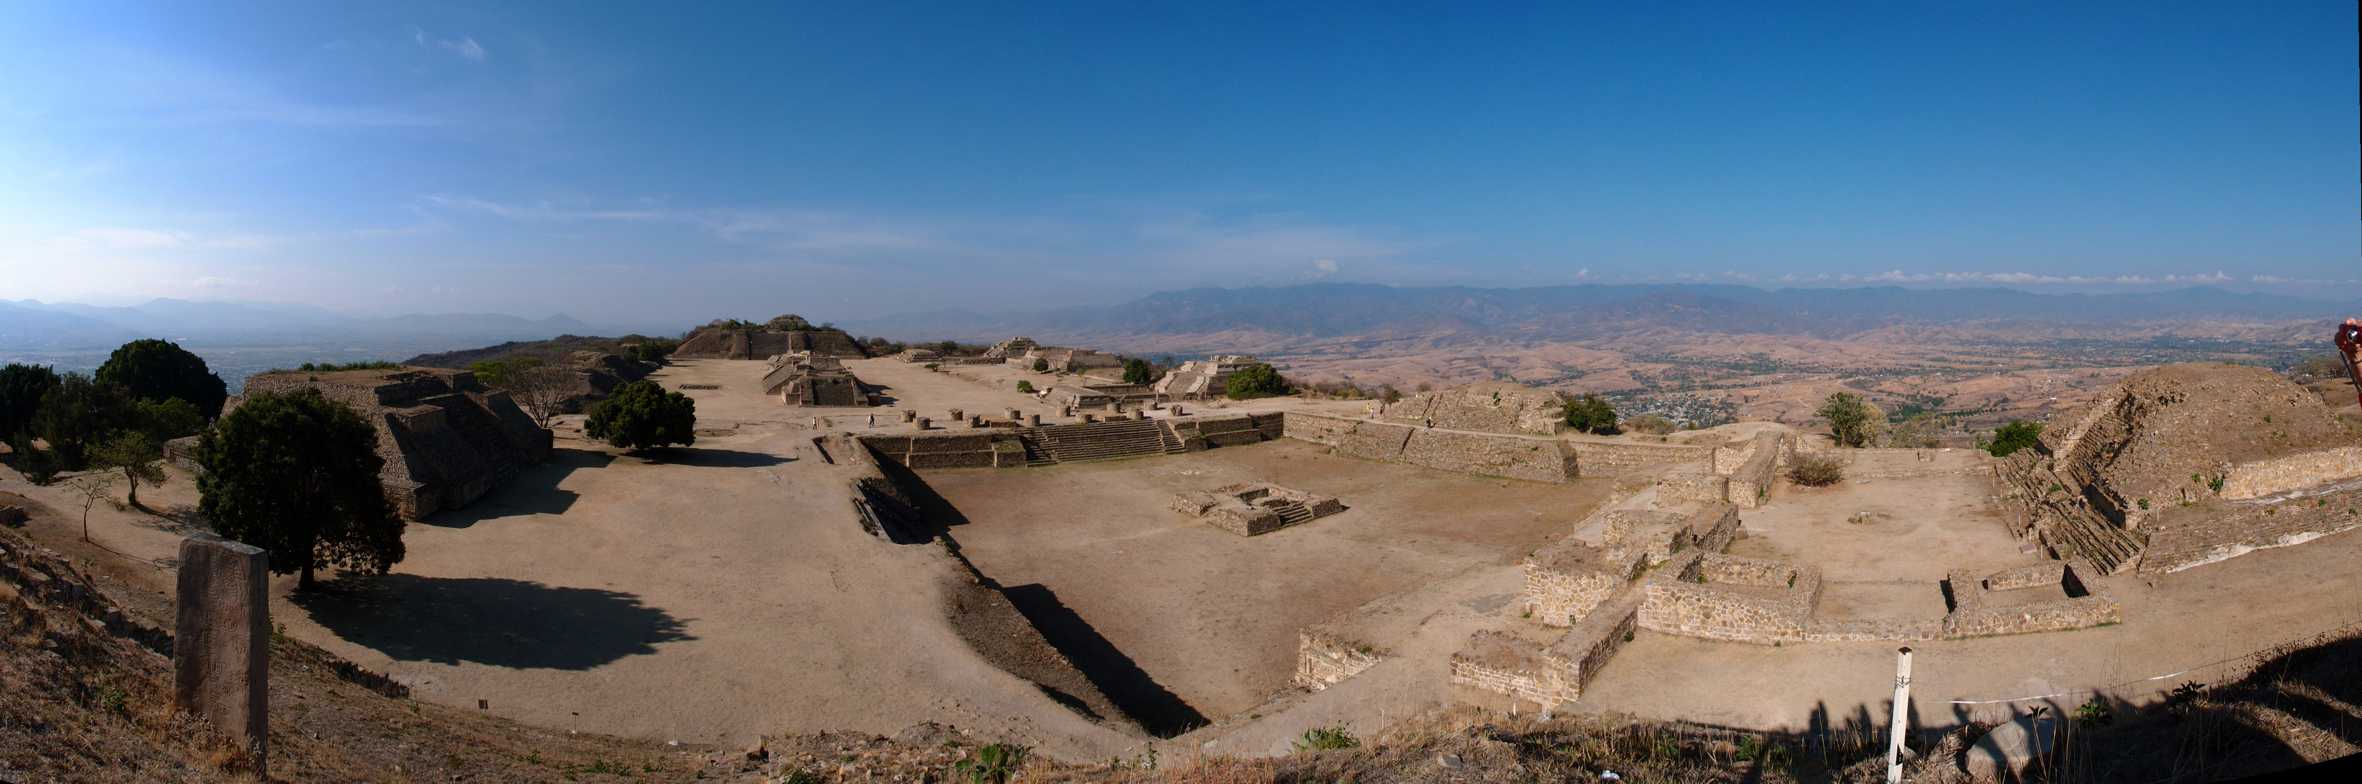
(178, 519)
(714, 458)
(532, 491)
(1130, 688)
(488, 620)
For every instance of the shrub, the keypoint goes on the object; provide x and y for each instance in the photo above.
(1256, 380)
(1327, 739)
(1137, 371)
(1849, 418)
(1813, 470)
(332, 367)
(643, 415)
(995, 763)
(1919, 432)
(2016, 435)
(1590, 414)
(1041, 365)
(1024, 386)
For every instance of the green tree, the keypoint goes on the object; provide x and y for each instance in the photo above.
(1253, 381)
(503, 372)
(1024, 386)
(1137, 371)
(21, 388)
(2016, 435)
(138, 456)
(80, 412)
(154, 369)
(1849, 418)
(295, 473)
(1591, 414)
(1041, 365)
(137, 449)
(643, 415)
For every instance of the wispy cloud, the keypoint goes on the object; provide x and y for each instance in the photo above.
(2031, 279)
(464, 46)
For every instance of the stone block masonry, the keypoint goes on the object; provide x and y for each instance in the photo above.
(1324, 659)
(1567, 580)
(2044, 597)
(1552, 674)
(445, 438)
(221, 647)
(1530, 458)
(2292, 472)
(1722, 597)
(1693, 485)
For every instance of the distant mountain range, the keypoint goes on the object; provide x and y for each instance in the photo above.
(32, 325)
(1553, 313)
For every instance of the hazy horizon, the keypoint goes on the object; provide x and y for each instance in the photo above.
(637, 165)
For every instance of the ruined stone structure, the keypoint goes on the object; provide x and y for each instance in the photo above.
(1532, 458)
(804, 379)
(1010, 349)
(1016, 445)
(1254, 508)
(1491, 407)
(1201, 379)
(725, 340)
(2179, 455)
(1065, 360)
(1323, 659)
(2042, 597)
(1723, 597)
(221, 641)
(446, 439)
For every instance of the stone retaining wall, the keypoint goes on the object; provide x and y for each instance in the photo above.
(1612, 457)
(971, 449)
(1515, 457)
(2244, 529)
(1696, 484)
(2293, 472)
(1751, 480)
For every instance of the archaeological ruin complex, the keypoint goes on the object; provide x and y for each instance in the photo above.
(806, 379)
(783, 335)
(446, 438)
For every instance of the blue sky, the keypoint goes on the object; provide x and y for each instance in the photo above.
(704, 160)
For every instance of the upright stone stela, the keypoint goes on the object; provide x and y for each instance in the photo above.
(221, 640)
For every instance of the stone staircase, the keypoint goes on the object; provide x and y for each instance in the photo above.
(1290, 512)
(2080, 531)
(1103, 441)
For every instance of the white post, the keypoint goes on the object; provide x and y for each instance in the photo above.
(1894, 746)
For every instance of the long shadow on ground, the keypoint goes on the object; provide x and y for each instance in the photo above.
(532, 491)
(714, 458)
(488, 620)
(1133, 691)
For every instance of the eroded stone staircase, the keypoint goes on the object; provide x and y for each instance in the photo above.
(1101, 441)
(1290, 512)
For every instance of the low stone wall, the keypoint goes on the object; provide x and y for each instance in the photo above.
(1723, 597)
(1588, 646)
(1505, 664)
(1874, 630)
(1324, 659)
(1566, 581)
(1751, 480)
(2243, 529)
(1219, 430)
(1979, 608)
(1711, 527)
(968, 449)
(1693, 485)
(1612, 457)
(2293, 472)
(1515, 457)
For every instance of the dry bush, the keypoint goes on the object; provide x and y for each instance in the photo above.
(1812, 470)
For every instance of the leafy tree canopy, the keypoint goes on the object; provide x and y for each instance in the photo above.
(644, 415)
(1591, 414)
(154, 369)
(80, 412)
(296, 474)
(1137, 371)
(2016, 435)
(1256, 380)
(1849, 418)
(21, 388)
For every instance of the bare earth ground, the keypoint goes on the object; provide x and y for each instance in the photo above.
(1211, 615)
(726, 591)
